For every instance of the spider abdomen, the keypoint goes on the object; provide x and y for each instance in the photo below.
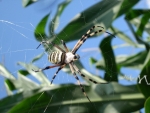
(56, 57)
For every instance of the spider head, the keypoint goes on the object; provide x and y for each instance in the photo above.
(76, 57)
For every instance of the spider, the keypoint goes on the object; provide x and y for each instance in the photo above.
(65, 57)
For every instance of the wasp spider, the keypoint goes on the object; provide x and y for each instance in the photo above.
(65, 57)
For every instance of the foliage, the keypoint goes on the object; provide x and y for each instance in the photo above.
(34, 97)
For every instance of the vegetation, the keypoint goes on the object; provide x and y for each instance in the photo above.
(108, 98)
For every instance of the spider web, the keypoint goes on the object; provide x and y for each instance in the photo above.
(17, 43)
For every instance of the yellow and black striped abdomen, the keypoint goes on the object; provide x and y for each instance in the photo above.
(56, 57)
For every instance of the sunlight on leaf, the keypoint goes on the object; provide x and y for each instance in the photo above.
(26, 3)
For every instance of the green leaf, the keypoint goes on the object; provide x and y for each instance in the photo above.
(92, 60)
(4, 72)
(109, 59)
(9, 92)
(50, 99)
(102, 13)
(24, 72)
(37, 58)
(139, 40)
(26, 3)
(133, 61)
(10, 84)
(26, 83)
(144, 21)
(104, 17)
(126, 6)
(11, 101)
(10, 80)
(134, 13)
(137, 21)
(144, 78)
(40, 29)
(39, 75)
(100, 65)
(55, 21)
(146, 105)
(123, 36)
(22, 83)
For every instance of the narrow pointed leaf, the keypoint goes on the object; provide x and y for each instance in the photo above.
(39, 32)
(133, 61)
(55, 22)
(9, 92)
(26, 3)
(92, 60)
(144, 21)
(134, 13)
(37, 58)
(109, 59)
(137, 37)
(39, 76)
(123, 36)
(4, 72)
(11, 84)
(26, 83)
(21, 83)
(24, 72)
(137, 22)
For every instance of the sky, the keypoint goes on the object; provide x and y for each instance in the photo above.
(17, 42)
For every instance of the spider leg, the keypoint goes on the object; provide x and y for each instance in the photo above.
(48, 67)
(53, 44)
(76, 77)
(57, 72)
(64, 44)
(80, 42)
(76, 68)
(88, 34)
